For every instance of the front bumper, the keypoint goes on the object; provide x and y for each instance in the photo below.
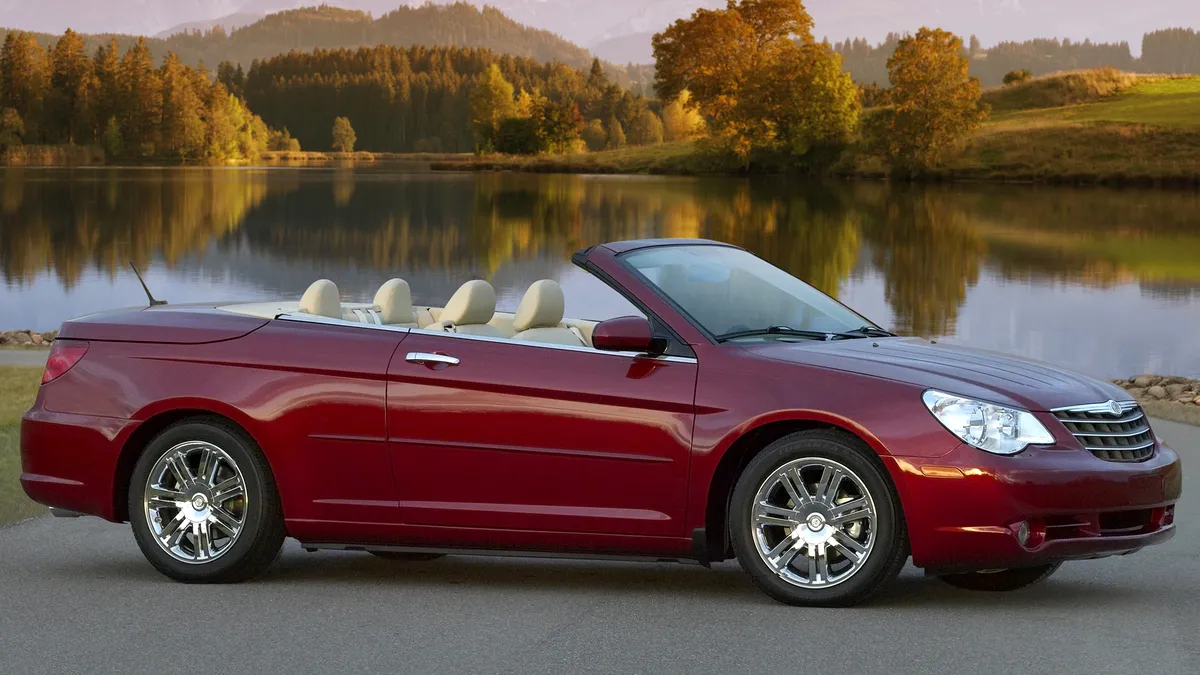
(964, 510)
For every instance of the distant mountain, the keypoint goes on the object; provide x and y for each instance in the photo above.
(229, 23)
(633, 48)
(139, 17)
(621, 28)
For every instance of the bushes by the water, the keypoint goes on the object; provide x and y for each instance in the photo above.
(52, 155)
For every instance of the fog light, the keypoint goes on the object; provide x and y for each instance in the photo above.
(1023, 533)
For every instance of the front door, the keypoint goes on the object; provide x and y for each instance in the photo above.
(522, 436)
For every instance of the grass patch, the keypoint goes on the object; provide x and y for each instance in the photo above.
(18, 387)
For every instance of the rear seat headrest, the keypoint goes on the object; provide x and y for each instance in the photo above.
(322, 299)
(394, 301)
(473, 304)
(542, 307)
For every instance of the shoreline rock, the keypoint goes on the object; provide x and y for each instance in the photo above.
(27, 338)
(1162, 389)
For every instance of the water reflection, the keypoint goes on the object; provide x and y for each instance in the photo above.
(945, 261)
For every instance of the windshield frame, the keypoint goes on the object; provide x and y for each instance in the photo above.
(622, 260)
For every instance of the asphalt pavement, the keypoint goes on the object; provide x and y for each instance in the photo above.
(76, 596)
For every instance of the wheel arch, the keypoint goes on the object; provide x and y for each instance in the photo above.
(154, 421)
(744, 447)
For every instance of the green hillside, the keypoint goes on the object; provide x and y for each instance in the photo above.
(1094, 126)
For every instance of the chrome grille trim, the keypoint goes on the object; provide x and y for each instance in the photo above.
(1104, 408)
(1142, 446)
(1112, 431)
(1083, 420)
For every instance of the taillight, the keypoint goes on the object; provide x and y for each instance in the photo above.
(64, 354)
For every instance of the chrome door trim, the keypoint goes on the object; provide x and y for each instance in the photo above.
(427, 358)
(312, 318)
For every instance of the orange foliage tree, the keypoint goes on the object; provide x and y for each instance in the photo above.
(757, 76)
(936, 101)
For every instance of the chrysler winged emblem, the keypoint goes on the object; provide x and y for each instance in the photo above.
(1114, 407)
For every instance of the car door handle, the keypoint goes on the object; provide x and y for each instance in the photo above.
(428, 359)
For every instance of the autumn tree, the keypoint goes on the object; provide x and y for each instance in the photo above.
(232, 77)
(491, 103)
(106, 68)
(142, 99)
(344, 137)
(646, 129)
(24, 77)
(12, 128)
(558, 124)
(616, 134)
(183, 129)
(73, 89)
(752, 70)
(594, 135)
(681, 120)
(936, 103)
(818, 104)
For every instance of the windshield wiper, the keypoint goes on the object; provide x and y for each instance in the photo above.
(868, 331)
(827, 336)
(784, 330)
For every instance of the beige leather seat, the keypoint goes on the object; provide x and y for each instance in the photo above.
(322, 299)
(539, 317)
(470, 310)
(393, 304)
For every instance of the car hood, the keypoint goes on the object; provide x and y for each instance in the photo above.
(968, 372)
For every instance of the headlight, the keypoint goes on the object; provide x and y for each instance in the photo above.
(987, 426)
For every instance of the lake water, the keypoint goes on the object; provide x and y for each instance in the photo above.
(1105, 282)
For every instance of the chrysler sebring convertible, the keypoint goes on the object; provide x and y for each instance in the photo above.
(735, 412)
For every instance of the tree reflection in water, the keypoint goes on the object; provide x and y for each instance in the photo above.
(930, 245)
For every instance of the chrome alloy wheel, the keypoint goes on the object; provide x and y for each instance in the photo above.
(195, 502)
(814, 523)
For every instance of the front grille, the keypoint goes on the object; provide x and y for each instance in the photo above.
(1113, 432)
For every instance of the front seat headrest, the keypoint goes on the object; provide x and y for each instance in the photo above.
(542, 307)
(322, 299)
(474, 303)
(394, 301)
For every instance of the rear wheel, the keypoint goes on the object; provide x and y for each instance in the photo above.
(1002, 580)
(203, 504)
(816, 522)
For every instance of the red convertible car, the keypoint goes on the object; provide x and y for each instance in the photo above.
(740, 413)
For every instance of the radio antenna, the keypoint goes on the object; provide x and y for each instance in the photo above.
(153, 302)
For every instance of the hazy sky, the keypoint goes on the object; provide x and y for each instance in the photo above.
(588, 22)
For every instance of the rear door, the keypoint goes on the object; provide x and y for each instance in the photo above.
(523, 436)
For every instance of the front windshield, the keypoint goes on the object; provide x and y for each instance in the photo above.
(730, 292)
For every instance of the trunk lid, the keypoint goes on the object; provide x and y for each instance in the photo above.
(179, 324)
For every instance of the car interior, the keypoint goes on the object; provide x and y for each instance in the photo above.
(470, 311)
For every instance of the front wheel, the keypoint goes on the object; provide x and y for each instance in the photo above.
(1003, 580)
(203, 504)
(815, 521)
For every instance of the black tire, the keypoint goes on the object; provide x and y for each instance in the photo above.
(885, 559)
(1001, 582)
(407, 557)
(261, 536)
